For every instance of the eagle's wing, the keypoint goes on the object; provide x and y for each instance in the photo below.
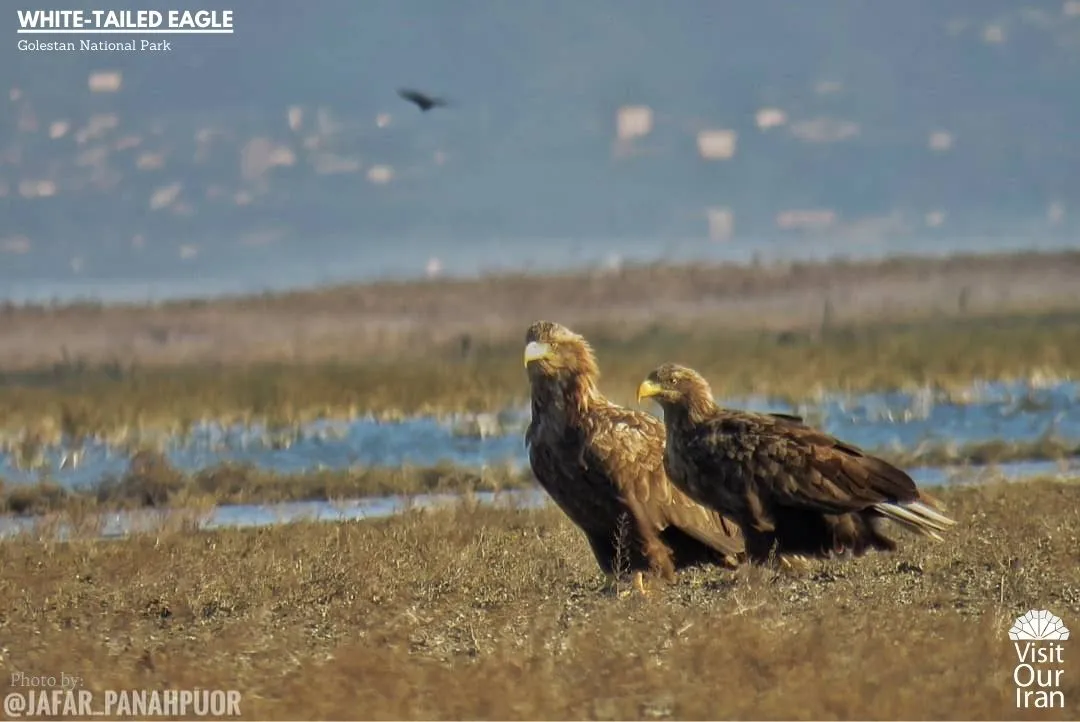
(631, 444)
(790, 418)
(796, 465)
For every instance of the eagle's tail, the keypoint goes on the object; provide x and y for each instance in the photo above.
(917, 517)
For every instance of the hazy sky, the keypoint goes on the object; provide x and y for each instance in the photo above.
(527, 171)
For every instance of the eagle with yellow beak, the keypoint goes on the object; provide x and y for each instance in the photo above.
(603, 465)
(794, 491)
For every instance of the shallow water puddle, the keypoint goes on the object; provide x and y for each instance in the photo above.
(122, 524)
(1015, 413)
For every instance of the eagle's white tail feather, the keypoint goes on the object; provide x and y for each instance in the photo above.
(928, 512)
(917, 517)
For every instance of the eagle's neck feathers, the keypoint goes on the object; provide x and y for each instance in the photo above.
(701, 407)
(566, 399)
(695, 408)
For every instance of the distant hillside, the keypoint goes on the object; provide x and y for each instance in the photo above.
(914, 117)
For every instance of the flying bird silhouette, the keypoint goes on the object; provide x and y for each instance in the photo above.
(423, 101)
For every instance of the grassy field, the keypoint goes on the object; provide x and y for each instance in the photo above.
(950, 352)
(414, 317)
(392, 349)
(496, 614)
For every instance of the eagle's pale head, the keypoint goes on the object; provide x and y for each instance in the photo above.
(554, 350)
(673, 385)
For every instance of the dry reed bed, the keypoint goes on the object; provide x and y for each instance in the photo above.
(479, 613)
(372, 320)
(77, 399)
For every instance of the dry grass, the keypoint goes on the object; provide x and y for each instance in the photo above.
(1000, 451)
(479, 613)
(153, 482)
(950, 352)
(377, 319)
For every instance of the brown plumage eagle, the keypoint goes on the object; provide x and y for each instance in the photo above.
(790, 487)
(603, 464)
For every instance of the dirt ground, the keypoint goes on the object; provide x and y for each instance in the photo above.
(492, 614)
(378, 319)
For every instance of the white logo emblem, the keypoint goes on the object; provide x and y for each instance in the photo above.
(1038, 626)
(1037, 637)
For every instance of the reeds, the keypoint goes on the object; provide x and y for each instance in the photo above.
(943, 354)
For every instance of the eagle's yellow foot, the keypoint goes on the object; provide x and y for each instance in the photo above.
(611, 585)
(639, 584)
(794, 563)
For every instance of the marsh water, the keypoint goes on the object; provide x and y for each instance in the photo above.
(120, 524)
(1021, 414)
(1017, 413)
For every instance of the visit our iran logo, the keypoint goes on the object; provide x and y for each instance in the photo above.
(1037, 637)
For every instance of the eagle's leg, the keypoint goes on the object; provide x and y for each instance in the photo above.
(639, 583)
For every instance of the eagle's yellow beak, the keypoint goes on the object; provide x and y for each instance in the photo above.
(536, 351)
(647, 389)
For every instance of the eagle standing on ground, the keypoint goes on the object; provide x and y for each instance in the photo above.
(786, 484)
(603, 464)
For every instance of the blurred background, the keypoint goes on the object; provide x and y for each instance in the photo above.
(580, 133)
